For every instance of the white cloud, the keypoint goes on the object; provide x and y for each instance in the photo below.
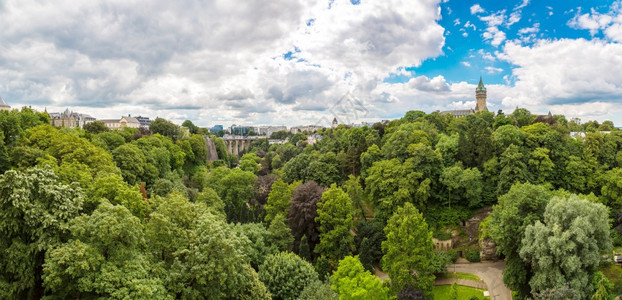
(565, 76)
(465, 63)
(476, 9)
(210, 60)
(468, 24)
(495, 36)
(456, 22)
(493, 70)
(609, 23)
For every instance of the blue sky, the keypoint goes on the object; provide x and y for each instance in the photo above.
(461, 59)
(292, 62)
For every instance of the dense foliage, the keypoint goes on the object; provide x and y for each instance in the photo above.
(143, 214)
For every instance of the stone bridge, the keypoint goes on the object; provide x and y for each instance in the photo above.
(238, 143)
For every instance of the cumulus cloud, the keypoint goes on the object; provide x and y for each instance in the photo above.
(209, 60)
(609, 23)
(476, 9)
(563, 74)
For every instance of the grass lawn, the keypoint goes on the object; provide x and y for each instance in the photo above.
(462, 276)
(614, 273)
(442, 292)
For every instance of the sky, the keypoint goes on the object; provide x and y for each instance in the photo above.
(291, 62)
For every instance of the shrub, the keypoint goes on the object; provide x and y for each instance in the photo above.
(472, 255)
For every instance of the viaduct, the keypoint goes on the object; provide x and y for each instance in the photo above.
(237, 143)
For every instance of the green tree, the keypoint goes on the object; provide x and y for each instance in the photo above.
(235, 188)
(368, 158)
(95, 127)
(513, 169)
(522, 206)
(318, 290)
(191, 127)
(357, 195)
(540, 165)
(131, 160)
(250, 162)
(565, 248)
(408, 250)
(611, 190)
(165, 128)
(335, 219)
(453, 295)
(35, 211)
(278, 200)
(352, 281)
(522, 117)
(286, 275)
(105, 257)
(280, 233)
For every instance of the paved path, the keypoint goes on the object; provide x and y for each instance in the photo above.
(491, 273)
(460, 281)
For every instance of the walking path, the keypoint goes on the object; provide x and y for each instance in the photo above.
(491, 273)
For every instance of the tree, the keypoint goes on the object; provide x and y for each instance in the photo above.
(95, 127)
(105, 257)
(191, 127)
(303, 211)
(357, 195)
(522, 206)
(250, 162)
(373, 154)
(278, 200)
(35, 211)
(540, 165)
(463, 186)
(513, 169)
(352, 281)
(408, 250)
(165, 128)
(522, 117)
(235, 188)
(318, 290)
(131, 160)
(280, 233)
(335, 220)
(286, 275)
(611, 190)
(565, 247)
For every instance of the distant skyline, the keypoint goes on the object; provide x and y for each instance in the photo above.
(288, 62)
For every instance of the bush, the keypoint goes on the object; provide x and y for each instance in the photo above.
(286, 274)
(472, 255)
(453, 255)
(441, 235)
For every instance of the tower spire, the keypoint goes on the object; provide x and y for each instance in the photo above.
(480, 96)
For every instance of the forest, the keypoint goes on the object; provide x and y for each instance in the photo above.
(142, 214)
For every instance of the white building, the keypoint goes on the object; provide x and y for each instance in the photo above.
(119, 124)
(269, 130)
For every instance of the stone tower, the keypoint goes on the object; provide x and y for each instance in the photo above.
(480, 95)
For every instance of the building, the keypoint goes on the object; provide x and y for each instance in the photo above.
(480, 97)
(3, 105)
(313, 138)
(124, 122)
(70, 119)
(334, 124)
(305, 128)
(269, 130)
(240, 130)
(216, 128)
(144, 121)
